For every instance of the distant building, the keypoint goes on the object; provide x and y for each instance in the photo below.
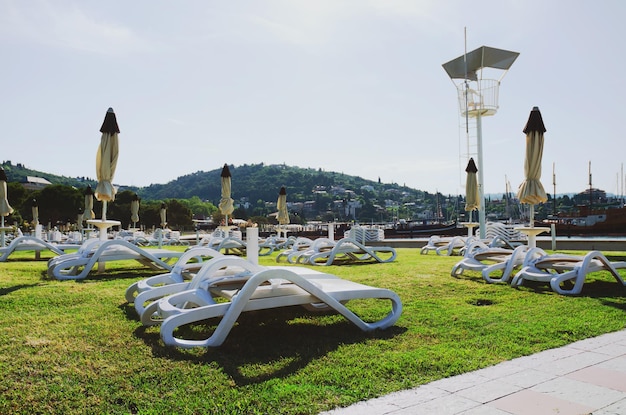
(35, 183)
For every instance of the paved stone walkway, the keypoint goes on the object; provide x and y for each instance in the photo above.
(586, 377)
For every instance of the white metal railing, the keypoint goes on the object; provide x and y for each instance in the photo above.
(482, 97)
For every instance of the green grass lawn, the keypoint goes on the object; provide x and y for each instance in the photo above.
(76, 347)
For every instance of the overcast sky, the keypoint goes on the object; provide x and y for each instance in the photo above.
(352, 86)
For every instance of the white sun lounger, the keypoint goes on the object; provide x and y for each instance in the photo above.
(558, 269)
(224, 267)
(300, 245)
(77, 265)
(318, 245)
(351, 251)
(185, 268)
(227, 245)
(490, 261)
(437, 243)
(37, 245)
(247, 287)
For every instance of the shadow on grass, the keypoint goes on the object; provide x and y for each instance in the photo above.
(608, 291)
(121, 274)
(266, 344)
(9, 290)
(110, 275)
(470, 276)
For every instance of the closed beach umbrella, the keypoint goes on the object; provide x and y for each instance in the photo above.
(283, 213)
(5, 208)
(134, 210)
(106, 160)
(35, 211)
(88, 214)
(163, 215)
(226, 203)
(79, 220)
(472, 195)
(531, 190)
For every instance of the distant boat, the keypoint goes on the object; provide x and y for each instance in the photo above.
(421, 229)
(610, 221)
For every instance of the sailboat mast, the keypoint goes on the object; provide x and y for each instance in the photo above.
(553, 191)
(590, 189)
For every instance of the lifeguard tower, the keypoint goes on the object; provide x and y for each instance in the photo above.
(475, 77)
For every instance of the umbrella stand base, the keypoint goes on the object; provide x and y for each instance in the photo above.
(532, 233)
(470, 227)
(3, 236)
(102, 226)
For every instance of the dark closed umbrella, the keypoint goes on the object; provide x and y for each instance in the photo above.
(472, 195)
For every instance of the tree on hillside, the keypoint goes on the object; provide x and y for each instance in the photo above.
(199, 208)
(58, 204)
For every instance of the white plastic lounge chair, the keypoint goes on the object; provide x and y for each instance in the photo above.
(274, 243)
(298, 246)
(228, 244)
(319, 245)
(348, 250)
(456, 246)
(506, 233)
(224, 267)
(365, 234)
(268, 245)
(559, 269)
(185, 268)
(37, 245)
(490, 260)
(253, 287)
(77, 265)
(435, 242)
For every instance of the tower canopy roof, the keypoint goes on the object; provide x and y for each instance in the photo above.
(483, 57)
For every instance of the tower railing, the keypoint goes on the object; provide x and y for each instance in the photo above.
(482, 97)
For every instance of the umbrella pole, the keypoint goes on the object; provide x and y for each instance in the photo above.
(2, 237)
(104, 210)
(481, 182)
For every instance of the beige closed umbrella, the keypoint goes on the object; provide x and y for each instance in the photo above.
(88, 213)
(163, 215)
(5, 208)
(283, 213)
(226, 204)
(531, 190)
(79, 221)
(34, 207)
(134, 210)
(106, 160)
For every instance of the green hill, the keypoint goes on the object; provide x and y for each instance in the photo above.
(263, 182)
(255, 188)
(251, 182)
(18, 173)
